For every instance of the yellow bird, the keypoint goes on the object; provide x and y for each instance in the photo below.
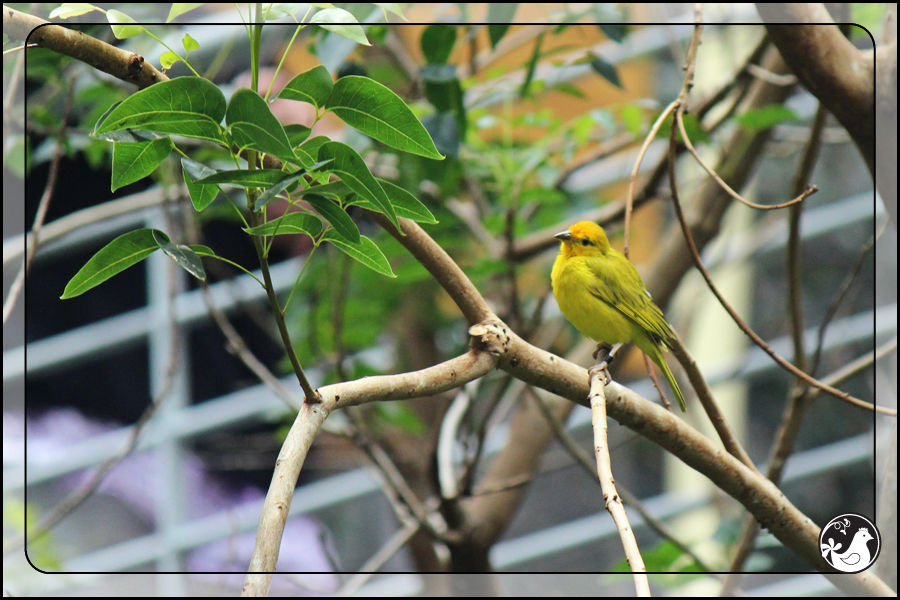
(604, 297)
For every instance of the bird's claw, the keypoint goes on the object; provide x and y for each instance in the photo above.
(601, 368)
(601, 347)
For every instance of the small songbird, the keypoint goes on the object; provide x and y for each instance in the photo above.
(604, 297)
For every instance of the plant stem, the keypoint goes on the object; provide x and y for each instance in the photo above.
(312, 397)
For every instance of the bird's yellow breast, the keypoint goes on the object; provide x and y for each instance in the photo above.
(571, 279)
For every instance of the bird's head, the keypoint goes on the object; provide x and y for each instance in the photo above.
(584, 238)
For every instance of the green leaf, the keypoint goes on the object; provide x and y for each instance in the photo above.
(245, 177)
(335, 189)
(296, 134)
(133, 162)
(279, 10)
(335, 215)
(406, 204)
(167, 59)
(310, 149)
(532, 66)
(496, 31)
(341, 22)
(295, 222)
(71, 9)
(606, 70)
(201, 195)
(201, 250)
(112, 259)
(179, 9)
(437, 43)
(378, 112)
(116, 20)
(354, 172)
(313, 86)
(766, 117)
(633, 118)
(614, 31)
(254, 126)
(500, 16)
(188, 106)
(189, 43)
(394, 8)
(131, 136)
(365, 251)
(186, 258)
(282, 184)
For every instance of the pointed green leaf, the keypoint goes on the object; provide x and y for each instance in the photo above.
(201, 250)
(606, 70)
(313, 86)
(254, 126)
(188, 106)
(179, 9)
(500, 16)
(121, 24)
(365, 252)
(115, 257)
(334, 189)
(308, 152)
(437, 43)
(131, 136)
(201, 195)
(71, 9)
(186, 258)
(245, 177)
(354, 172)
(133, 162)
(394, 8)
(167, 59)
(282, 184)
(341, 22)
(295, 222)
(378, 112)
(296, 133)
(406, 204)
(334, 214)
(280, 9)
(189, 43)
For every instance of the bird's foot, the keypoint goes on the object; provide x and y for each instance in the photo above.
(603, 346)
(601, 368)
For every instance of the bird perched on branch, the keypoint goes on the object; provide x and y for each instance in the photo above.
(604, 297)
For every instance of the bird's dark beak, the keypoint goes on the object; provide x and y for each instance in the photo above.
(565, 236)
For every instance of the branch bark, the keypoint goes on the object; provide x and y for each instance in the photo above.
(119, 63)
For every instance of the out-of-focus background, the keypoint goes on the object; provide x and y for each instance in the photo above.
(541, 123)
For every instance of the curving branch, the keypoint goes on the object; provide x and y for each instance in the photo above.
(856, 86)
(121, 64)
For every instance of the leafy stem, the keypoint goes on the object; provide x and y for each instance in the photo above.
(308, 391)
(184, 60)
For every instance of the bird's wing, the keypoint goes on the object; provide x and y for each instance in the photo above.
(622, 289)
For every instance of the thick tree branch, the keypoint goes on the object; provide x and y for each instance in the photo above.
(841, 76)
(119, 63)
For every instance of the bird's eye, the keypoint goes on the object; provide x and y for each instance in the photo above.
(585, 242)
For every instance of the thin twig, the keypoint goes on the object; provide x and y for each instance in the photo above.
(629, 203)
(712, 173)
(584, 461)
(607, 483)
(698, 262)
(842, 292)
(43, 205)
